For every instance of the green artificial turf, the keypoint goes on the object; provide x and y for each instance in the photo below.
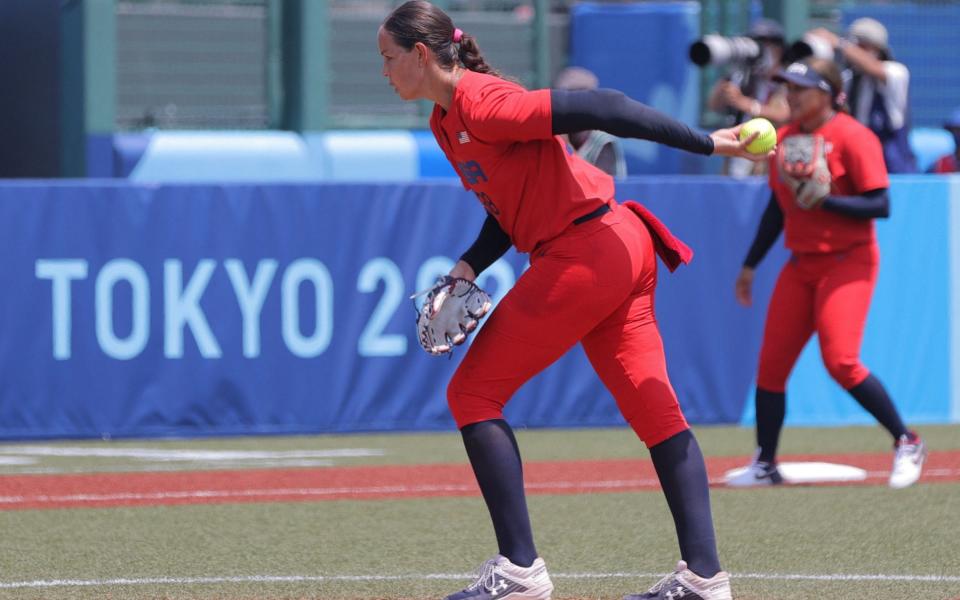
(805, 531)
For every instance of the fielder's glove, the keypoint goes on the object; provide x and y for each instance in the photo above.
(452, 309)
(803, 167)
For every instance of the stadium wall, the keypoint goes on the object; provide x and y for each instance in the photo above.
(177, 310)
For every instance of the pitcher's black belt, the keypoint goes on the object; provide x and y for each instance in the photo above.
(600, 211)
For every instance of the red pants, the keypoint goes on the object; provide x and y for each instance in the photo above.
(592, 284)
(824, 293)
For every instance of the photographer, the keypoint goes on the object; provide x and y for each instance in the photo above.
(756, 94)
(878, 89)
(748, 90)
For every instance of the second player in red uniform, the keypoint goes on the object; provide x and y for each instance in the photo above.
(826, 286)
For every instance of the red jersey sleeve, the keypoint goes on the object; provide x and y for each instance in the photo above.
(505, 112)
(863, 160)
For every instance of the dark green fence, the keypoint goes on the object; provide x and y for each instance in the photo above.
(313, 64)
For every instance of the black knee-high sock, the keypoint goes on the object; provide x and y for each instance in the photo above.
(495, 458)
(683, 477)
(872, 396)
(771, 410)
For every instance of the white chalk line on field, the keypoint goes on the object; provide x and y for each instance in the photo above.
(184, 455)
(133, 469)
(331, 491)
(386, 490)
(443, 576)
(26, 459)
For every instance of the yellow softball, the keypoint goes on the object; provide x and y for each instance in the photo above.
(765, 141)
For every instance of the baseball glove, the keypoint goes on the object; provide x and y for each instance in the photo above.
(803, 167)
(452, 309)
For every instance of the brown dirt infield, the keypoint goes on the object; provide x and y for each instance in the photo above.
(18, 492)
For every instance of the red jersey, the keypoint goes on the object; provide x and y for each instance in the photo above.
(855, 159)
(498, 137)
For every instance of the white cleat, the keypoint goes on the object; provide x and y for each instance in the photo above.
(907, 462)
(684, 583)
(500, 579)
(757, 474)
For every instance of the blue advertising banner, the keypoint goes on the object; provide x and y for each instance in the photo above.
(144, 310)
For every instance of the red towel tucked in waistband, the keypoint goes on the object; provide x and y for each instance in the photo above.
(669, 248)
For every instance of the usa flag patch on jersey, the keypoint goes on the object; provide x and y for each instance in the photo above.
(463, 138)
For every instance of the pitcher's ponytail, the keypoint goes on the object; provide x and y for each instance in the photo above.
(471, 57)
(420, 21)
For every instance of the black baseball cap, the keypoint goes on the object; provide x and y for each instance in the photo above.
(803, 75)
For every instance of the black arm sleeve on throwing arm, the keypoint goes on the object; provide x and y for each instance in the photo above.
(612, 111)
(874, 204)
(491, 244)
(771, 224)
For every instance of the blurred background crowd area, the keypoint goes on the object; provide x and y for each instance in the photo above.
(97, 87)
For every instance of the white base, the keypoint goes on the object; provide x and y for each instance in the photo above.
(810, 472)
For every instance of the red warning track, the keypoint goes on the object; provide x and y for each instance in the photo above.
(19, 492)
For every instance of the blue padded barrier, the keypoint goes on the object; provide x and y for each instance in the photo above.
(433, 162)
(213, 156)
(128, 150)
(953, 276)
(929, 144)
(367, 156)
(384, 155)
(277, 156)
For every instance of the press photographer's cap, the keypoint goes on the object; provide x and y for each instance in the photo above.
(869, 31)
(766, 29)
(803, 75)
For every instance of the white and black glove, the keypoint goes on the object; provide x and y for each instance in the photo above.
(452, 309)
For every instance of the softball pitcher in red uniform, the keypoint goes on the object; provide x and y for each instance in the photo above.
(829, 182)
(591, 280)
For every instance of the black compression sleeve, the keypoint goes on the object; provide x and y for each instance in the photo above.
(615, 113)
(771, 224)
(874, 204)
(491, 244)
